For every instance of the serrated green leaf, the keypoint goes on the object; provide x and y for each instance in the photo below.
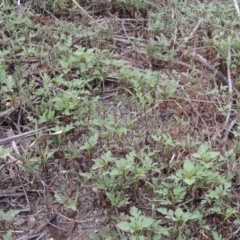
(178, 212)
(59, 198)
(115, 171)
(135, 212)
(163, 211)
(7, 236)
(237, 221)
(125, 226)
(188, 166)
(147, 222)
(11, 213)
(217, 236)
(189, 181)
(96, 237)
(70, 204)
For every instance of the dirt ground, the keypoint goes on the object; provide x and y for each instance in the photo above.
(41, 198)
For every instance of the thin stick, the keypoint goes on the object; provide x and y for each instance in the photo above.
(234, 234)
(48, 12)
(21, 135)
(236, 7)
(229, 127)
(229, 86)
(7, 112)
(186, 39)
(89, 16)
(44, 225)
(219, 76)
(190, 67)
(73, 220)
(83, 10)
(24, 190)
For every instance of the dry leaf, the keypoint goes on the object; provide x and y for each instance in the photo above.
(31, 221)
(53, 229)
(42, 138)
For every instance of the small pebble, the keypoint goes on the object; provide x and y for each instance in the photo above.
(19, 221)
(31, 232)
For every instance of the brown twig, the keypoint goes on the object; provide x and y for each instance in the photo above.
(45, 225)
(24, 190)
(229, 128)
(86, 13)
(230, 100)
(73, 220)
(21, 135)
(186, 39)
(234, 234)
(7, 112)
(219, 76)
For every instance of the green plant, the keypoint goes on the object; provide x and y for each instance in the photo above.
(67, 202)
(117, 199)
(7, 236)
(136, 4)
(145, 122)
(179, 218)
(137, 224)
(88, 145)
(5, 217)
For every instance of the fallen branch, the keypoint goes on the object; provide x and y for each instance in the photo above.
(21, 135)
(219, 75)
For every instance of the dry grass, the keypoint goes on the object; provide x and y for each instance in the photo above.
(119, 78)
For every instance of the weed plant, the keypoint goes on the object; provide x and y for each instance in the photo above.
(163, 148)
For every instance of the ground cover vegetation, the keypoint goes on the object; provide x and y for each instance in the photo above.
(119, 119)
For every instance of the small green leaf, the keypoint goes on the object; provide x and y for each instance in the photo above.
(2, 74)
(7, 236)
(237, 221)
(163, 211)
(11, 213)
(115, 171)
(96, 237)
(189, 181)
(70, 204)
(59, 198)
(179, 212)
(135, 212)
(125, 226)
(188, 166)
(217, 236)
(147, 222)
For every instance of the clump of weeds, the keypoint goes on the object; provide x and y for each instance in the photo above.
(134, 103)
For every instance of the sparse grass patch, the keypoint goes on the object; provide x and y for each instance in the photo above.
(133, 107)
